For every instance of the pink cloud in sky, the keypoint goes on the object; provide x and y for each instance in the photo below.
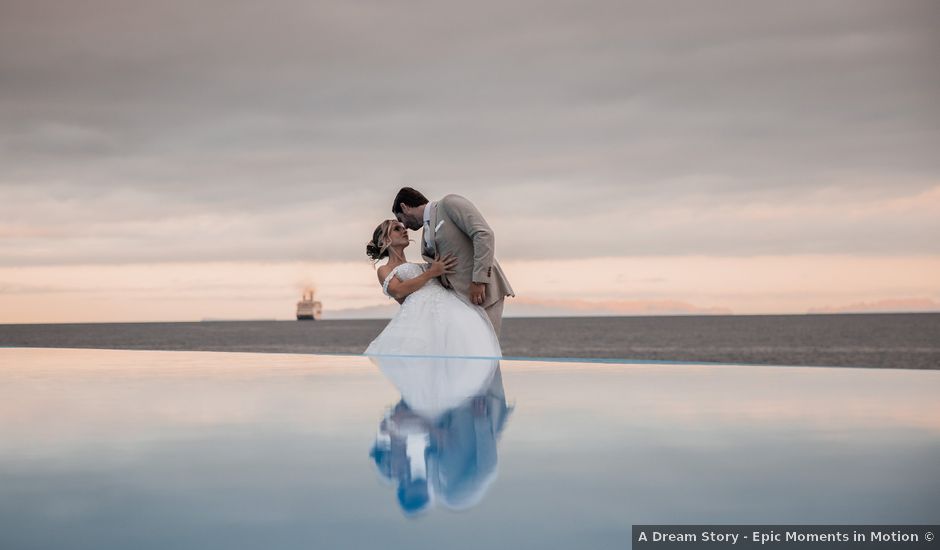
(889, 305)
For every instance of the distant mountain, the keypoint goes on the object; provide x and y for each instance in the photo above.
(896, 305)
(369, 312)
(526, 307)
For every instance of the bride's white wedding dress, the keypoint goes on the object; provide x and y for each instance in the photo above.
(434, 321)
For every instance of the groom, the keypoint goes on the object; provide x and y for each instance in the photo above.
(454, 226)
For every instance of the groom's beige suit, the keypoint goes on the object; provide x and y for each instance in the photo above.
(456, 227)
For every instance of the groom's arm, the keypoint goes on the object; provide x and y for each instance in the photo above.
(469, 220)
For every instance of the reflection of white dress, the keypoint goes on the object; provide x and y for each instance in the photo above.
(434, 321)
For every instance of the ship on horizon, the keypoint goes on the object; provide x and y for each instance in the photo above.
(308, 309)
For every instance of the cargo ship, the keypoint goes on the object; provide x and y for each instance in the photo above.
(308, 309)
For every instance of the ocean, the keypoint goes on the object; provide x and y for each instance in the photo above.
(898, 341)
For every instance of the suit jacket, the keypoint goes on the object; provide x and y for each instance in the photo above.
(458, 228)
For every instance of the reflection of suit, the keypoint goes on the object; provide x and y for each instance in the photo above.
(464, 461)
(458, 228)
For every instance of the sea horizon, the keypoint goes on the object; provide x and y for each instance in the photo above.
(870, 340)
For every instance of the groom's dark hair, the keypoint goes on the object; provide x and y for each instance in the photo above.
(411, 197)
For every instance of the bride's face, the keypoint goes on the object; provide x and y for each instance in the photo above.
(398, 235)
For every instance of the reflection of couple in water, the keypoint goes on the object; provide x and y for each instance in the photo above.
(441, 350)
(438, 444)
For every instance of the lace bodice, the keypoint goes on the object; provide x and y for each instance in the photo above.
(404, 271)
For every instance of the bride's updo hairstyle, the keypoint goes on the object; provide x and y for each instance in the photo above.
(377, 248)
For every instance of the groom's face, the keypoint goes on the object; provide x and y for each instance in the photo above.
(411, 216)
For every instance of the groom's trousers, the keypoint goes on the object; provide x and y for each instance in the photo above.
(495, 313)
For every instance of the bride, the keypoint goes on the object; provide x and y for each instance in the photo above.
(432, 320)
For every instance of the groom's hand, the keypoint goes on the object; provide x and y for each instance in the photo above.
(477, 293)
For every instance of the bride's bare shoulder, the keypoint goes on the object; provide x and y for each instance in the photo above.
(382, 272)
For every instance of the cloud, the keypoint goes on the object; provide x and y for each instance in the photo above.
(130, 226)
(171, 132)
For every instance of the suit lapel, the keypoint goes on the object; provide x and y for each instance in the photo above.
(435, 219)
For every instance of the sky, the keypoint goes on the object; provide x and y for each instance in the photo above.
(180, 161)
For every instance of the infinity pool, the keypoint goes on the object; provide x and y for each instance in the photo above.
(138, 449)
